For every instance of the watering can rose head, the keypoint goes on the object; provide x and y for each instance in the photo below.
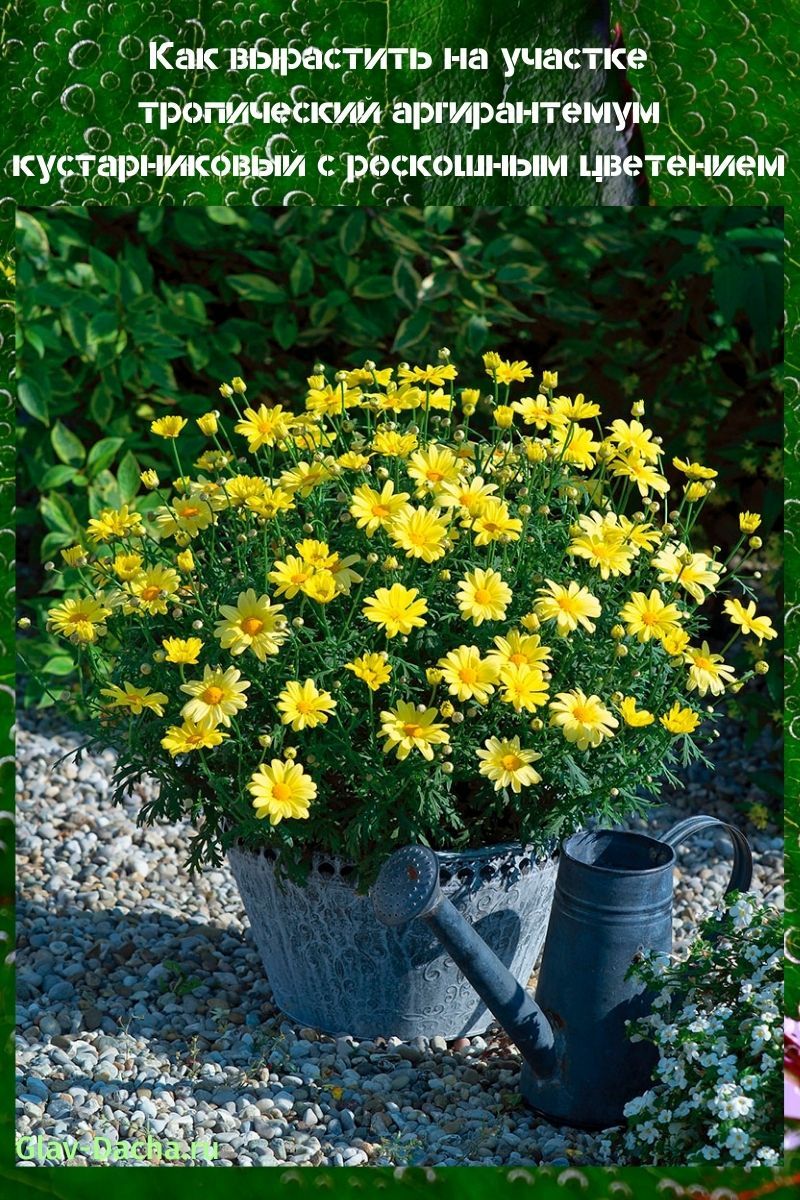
(399, 608)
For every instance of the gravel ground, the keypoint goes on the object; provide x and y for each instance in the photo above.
(142, 1004)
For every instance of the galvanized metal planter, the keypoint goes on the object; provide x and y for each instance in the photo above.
(333, 966)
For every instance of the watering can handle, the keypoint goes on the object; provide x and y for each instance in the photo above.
(742, 870)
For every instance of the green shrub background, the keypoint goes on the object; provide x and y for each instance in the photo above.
(125, 314)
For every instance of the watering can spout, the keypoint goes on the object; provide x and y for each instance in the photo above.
(408, 888)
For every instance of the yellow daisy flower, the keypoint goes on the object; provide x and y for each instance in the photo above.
(253, 623)
(603, 545)
(182, 650)
(290, 575)
(637, 718)
(432, 376)
(693, 470)
(183, 739)
(520, 650)
(643, 474)
(493, 522)
(506, 764)
(483, 595)
(115, 523)
(433, 466)
(305, 477)
(137, 699)
(373, 509)
(420, 533)
(264, 426)
(534, 410)
(467, 494)
(392, 444)
(304, 706)
(569, 607)
(168, 427)
(82, 618)
(187, 515)
(582, 719)
(680, 720)
(749, 522)
(649, 616)
(397, 609)
(154, 588)
(511, 372)
(73, 555)
(215, 698)
(748, 622)
(373, 669)
(707, 672)
(566, 409)
(321, 587)
(631, 438)
(127, 566)
(574, 444)
(185, 561)
(696, 573)
(468, 676)
(523, 687)
(281, 790)
(406, 728)
(675, 643)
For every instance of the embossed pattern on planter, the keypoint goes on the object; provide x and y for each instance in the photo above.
(333, 966)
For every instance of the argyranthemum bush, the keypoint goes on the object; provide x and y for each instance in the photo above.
(377, 616)
(717, 1023)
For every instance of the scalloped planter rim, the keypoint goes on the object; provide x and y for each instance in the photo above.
(332, 966)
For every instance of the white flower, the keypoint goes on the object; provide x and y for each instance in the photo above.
(710, 1152)
(738, 1142)
(742, 912)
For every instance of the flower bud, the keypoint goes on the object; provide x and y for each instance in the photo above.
(433, 676)
(458, 718)
(225, 390)
(446, 709)
(289, 752)
(761, 668)
(298, 622)
(149, 479)
(755, 543)
(444, 575)
(145, 669)
(24, 623)
(447, 768)
(197, 624)
(239, 385)
(208, 423)
(618, 632)
(637, 408)
(621, 650)
(537, 724)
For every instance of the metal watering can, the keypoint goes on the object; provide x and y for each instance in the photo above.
(613, 898)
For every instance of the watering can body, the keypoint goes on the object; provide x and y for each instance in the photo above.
(613, 898)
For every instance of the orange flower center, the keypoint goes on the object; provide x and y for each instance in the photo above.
(582, 713)
(190, 510)
(482, 596)
(468, 674)
(212, 695)
(380, 510)
(511, 762)
(518, 659)
(412, 730)
(252, 625)
(281, 792)
(150, 593)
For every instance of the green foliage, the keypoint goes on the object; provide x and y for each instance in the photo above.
(123, 311)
